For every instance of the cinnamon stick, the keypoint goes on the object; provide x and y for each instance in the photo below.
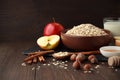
(41, 58)
(38, 54)
(29, 61)
(91, 52)
(35, 59)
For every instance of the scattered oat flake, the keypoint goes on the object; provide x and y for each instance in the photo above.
(89, 71)
(53, 59)
(23, 64)
(56, 64)
(85, 71)
(33, 68)
(97, 71)
(65, 67)
(97, 66)
(61, 66)
(38, 68)
(111, 67)
(66, 61)
(116, 70)
(48, 64)
(44, 64)
(102, 63)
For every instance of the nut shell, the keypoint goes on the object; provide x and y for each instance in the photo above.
(87, 67)
(73, 57)
(94, 60)
(76, 64)
(91, 56)
(80, 57)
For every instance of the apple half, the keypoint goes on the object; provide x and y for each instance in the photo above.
(117, 40)
(117, 37)
(48, 42)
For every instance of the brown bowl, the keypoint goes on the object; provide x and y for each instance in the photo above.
(85, 43)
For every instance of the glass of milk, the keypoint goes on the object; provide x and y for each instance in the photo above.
(112, 24)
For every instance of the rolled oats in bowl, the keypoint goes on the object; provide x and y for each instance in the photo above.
(86, 30)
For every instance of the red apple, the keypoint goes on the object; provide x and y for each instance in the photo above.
(53, 29)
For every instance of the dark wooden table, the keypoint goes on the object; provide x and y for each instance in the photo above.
(11, 58)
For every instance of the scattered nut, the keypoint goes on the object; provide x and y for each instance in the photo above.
(73, 57)
(80, 57)
(87, 67)
(76, 64)
(92, 59)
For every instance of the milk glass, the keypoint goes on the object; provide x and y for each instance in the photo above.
(112, 24)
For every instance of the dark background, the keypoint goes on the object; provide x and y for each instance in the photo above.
(22, 20)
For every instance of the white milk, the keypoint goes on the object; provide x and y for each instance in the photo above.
(114, 27)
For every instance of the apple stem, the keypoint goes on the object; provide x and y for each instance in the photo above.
(53, 19)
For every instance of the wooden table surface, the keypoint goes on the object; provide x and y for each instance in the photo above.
(11, 58)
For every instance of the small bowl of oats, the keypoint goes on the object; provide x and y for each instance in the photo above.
(86, 37)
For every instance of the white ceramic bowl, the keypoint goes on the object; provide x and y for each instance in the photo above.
(109, 51)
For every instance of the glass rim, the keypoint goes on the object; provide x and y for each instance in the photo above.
(111, 19)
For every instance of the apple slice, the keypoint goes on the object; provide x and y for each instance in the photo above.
(117, 42)
(48, 42)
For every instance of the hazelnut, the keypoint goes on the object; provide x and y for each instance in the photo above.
(94, 60)
(76, 64)
(87, 67)
(73, 57)
(91, 56)
(80, 57)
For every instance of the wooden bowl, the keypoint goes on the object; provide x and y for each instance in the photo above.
(85, 43)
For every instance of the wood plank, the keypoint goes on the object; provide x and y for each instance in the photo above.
(54, 72)
(23, 20)
(11, 69)
(10, 63)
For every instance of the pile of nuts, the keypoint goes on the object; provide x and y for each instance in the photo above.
(79, 58)
(86, 30)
